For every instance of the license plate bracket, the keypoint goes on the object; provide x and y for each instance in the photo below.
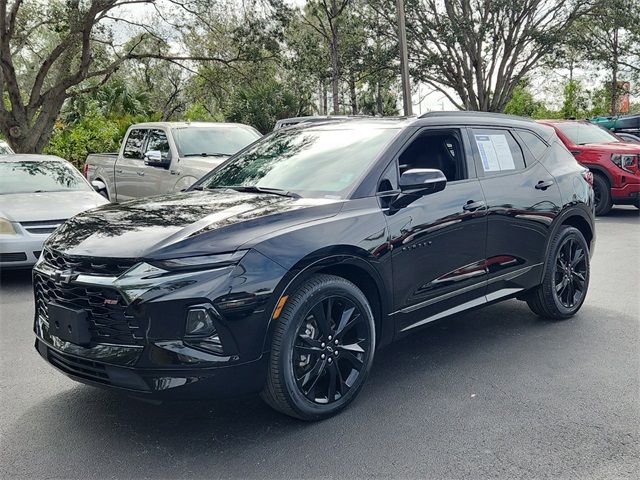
(69, 324)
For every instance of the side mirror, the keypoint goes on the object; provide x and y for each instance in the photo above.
(416, 183)
(98, 186)
(422, 181)
(154, 158)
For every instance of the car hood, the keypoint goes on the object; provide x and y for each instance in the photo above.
(31, 207)
(184, 224)
(615, 147)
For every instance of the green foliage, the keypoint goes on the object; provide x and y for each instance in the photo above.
(91, 134)
(197, 112)
(522, 102)
(261, 104)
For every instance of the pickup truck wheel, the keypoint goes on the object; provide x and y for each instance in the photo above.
(602, 195)
(322, 349)
(566, 279)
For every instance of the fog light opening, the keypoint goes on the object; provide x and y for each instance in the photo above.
(200, 330)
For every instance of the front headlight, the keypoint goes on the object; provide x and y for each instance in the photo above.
(201, 262)
(6, 227)
(625, 161)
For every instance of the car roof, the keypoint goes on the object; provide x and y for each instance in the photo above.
(189, 124)
(30, 157)
(479, 119)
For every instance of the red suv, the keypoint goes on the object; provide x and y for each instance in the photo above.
(615, 164)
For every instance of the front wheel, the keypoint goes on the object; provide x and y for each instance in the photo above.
(322, 349)
(566, 279)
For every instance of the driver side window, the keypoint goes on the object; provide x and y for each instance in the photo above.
(158, 142)
(436, 149)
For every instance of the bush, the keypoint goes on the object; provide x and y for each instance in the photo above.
(93, 133)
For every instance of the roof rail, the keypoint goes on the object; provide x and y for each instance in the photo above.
(469, 113)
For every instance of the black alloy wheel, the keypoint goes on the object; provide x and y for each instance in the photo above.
(322, 349)
(570, 273)
(330, 349)
(566, 278)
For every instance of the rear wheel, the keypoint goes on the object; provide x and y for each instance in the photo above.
(566, 280)
(602, 195)
(322, 349)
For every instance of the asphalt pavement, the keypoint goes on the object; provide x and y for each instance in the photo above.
(495, 393)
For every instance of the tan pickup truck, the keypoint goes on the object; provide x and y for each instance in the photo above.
(164, 157)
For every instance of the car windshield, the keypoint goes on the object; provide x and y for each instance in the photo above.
(5, 149)
(44, 176)
(220, 140)
(583, 133)
(309, 162)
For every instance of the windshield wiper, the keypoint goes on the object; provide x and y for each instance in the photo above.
(256, 189)
(205, 154)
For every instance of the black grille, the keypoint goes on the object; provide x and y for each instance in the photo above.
(107, 312)
(13, 257)
(88, 265)
(42, 226)
(79, 367)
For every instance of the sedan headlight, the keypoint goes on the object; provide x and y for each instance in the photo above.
(6, 227)
(627, 162)
(200, 262)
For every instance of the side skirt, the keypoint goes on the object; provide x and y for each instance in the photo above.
(476, 302)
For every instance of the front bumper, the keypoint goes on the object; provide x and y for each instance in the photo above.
(20, 251)
(628, 193)
(159, 384)
(138, 344)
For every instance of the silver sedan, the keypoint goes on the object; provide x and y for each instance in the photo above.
(37, 193)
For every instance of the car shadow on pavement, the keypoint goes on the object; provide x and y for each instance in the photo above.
(17, 278)
(154, 433)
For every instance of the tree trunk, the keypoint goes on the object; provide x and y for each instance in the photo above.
(614, 74)
(379, 105)
(352, 96)
(325, 106)
(335, 61)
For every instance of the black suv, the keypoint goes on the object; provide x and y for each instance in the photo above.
(285, 268)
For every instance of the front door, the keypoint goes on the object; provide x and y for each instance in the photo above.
(129, 167)
(438, 240)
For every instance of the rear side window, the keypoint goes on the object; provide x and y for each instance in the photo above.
(135, 142)
(535, 144)
(498, 151)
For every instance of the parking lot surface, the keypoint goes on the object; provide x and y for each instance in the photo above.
(495, 393)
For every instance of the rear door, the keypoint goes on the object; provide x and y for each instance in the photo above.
(438, 241)
(522, 199)
(129, 168)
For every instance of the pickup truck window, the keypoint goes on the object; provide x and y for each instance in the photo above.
(158, 142)
(203, 141)
(134, 144)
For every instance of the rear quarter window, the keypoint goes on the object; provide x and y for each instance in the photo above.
(533, 143)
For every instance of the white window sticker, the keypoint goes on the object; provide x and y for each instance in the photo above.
(495, 153)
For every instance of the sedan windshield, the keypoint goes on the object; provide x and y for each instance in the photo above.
(583, 133)
(309, 162)
(216, 141)
(45, 176)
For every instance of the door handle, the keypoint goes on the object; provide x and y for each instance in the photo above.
(472, 206)
(544, 184)
(140, 174)
(120, 171)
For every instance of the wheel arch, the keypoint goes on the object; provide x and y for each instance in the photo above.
(353, 265)
(578, 216)
(106, 185)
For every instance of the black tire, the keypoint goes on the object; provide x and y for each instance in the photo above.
(547, 300)
(299, 329)
(602, 194)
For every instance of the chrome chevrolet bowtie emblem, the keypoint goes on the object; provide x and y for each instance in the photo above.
(64, 277)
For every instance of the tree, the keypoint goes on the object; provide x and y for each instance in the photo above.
(324, 16)
(609, 36)
(480, 50)
(76, 54)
